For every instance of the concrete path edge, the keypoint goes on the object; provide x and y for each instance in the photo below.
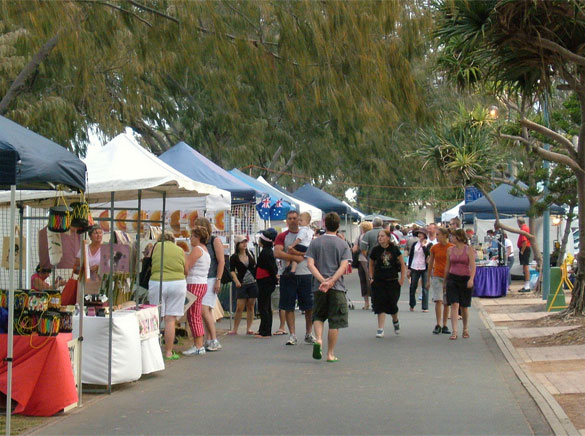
(552, 411)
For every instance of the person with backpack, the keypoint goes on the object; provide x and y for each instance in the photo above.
(215, 248)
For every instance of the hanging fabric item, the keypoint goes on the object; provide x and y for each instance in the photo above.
(55, 247)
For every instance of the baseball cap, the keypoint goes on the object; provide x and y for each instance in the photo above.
(240, 238)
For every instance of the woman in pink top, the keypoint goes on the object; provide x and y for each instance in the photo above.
(459, 275)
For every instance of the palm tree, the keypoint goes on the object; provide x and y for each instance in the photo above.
(524, 46)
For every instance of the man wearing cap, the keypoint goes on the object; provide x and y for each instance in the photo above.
(417, 268)
(327, 258)
(370, 239)
(297, 286)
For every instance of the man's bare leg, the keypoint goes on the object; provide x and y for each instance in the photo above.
(331, 342)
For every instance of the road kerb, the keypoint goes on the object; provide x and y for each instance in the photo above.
(552, 411)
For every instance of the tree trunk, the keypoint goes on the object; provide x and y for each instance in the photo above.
(566, 234)
(19, 83)
(577, 304)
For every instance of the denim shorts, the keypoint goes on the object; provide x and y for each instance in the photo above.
(247, 291)
(291, 288)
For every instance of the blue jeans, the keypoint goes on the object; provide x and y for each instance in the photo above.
(415, 275)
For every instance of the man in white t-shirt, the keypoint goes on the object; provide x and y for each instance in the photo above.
(432, 232)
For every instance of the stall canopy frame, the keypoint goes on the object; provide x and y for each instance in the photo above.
(30, 161)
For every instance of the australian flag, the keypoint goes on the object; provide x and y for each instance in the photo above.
(268, 209)
(263, 208)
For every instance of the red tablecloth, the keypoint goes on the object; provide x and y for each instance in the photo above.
(42, 379)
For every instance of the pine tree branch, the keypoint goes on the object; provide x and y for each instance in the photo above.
(154, 11)
(559, 139)
(26, 73)
(241, 14)
(255, 42)
(118, 8)
(567, 54)
(557, 157)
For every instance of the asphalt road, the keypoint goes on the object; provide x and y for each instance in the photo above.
(413, 384)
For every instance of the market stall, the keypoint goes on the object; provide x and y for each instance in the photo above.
(111, 178)
(30, 161)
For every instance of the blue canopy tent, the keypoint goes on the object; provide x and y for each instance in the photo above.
(382, 217)
(30, 161)
(508, 205)
(277, 205)
(324, 201)
(194, 165)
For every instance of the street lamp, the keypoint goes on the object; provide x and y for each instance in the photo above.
(493, 111)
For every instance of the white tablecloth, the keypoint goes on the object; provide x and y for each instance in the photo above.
(131, 357)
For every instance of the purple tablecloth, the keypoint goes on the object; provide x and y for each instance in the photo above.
(490, 281)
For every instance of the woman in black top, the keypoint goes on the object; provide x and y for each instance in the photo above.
(385, 263)
(266, 273)
(243, 271)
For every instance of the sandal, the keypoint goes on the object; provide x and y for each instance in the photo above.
(232, 333)
(465, 334)
(453, 337)
(317, 354)
(279, 332)
(173, 356)
(250, 332)
(335, 359)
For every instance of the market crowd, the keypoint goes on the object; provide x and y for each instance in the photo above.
(310, 264)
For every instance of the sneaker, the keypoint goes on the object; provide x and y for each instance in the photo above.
(524, 290)
(380, 333)
(309, 339)
(292, 340)
(396, 327)
(211, 346)
(216, 344)
(437, 329)
(445, 330)
(193, 351)
(420, 297)
(206, 344)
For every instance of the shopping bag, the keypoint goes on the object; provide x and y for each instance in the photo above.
(217, 310)
(69, 294)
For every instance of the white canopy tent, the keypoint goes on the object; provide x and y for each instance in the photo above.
(451, 213)
(316, 213)
(124, 167)
(123, 170)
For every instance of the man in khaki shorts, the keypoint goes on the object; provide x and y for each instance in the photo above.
(435, 278)
(327, 259)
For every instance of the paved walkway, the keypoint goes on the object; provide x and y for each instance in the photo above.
(415, 383)
(551, 370)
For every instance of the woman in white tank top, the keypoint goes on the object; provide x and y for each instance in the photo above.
(196, 268)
